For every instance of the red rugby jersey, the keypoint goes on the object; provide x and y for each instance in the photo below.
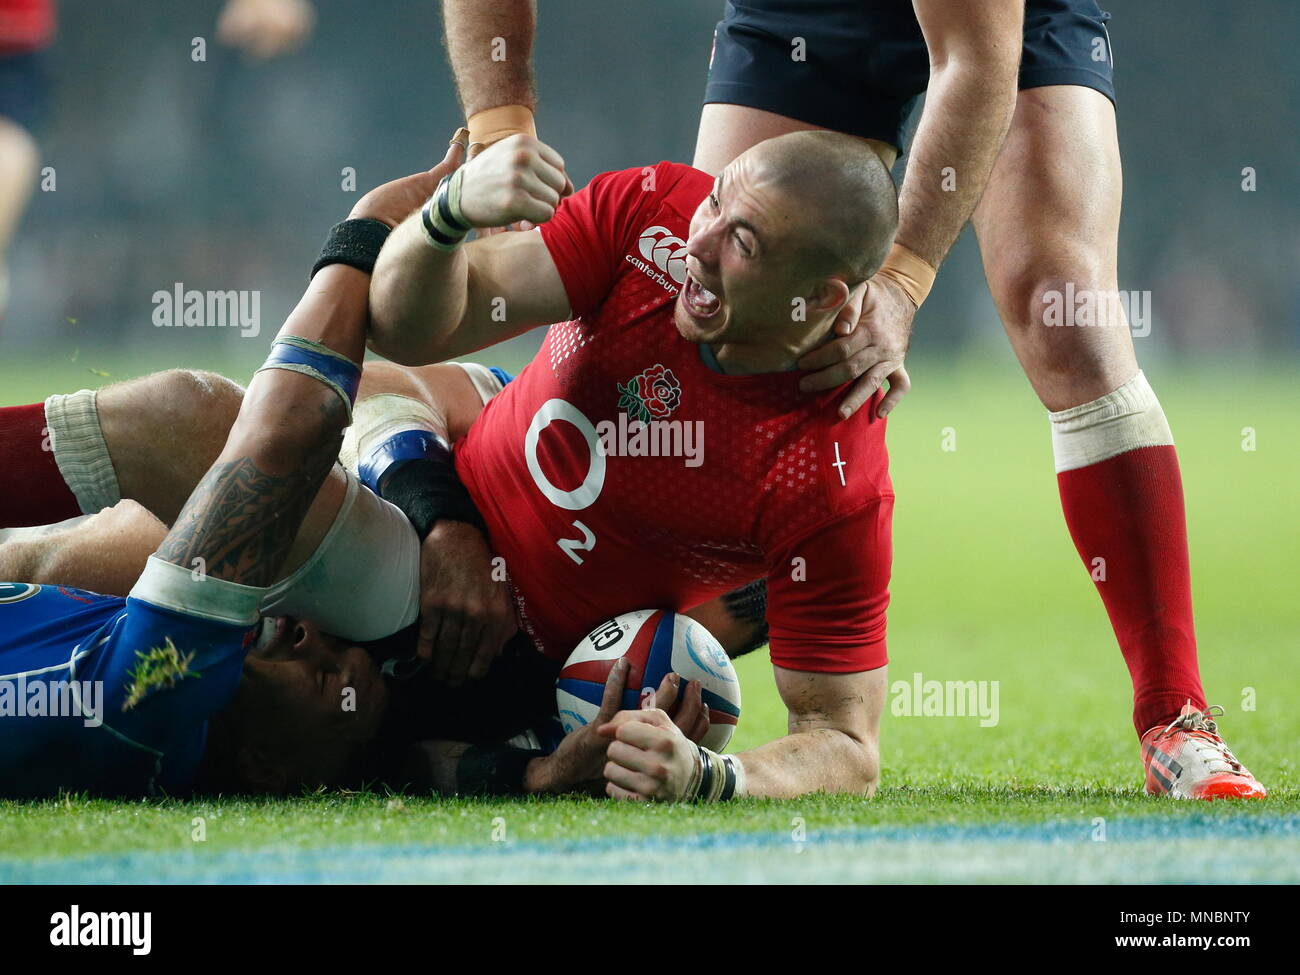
(591, 526)
(25, 25)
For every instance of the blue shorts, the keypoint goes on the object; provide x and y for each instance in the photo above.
(865, 64)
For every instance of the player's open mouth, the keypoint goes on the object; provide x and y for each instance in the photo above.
(699, 300)
(271, 633)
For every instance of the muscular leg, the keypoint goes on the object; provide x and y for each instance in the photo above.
(148, 440)
(728, 130)
(160, 433)
(1050, 218)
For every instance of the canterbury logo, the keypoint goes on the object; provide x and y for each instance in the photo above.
(664, 251)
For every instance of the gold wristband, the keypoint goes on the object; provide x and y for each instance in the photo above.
(494, 124)
(909, 271)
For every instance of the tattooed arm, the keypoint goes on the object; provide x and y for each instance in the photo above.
(242, 518)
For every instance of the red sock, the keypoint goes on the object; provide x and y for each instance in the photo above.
(1128, 510)
(32, 490)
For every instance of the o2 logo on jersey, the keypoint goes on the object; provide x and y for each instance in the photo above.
(606, 635)
(586, 493)
(16, 592)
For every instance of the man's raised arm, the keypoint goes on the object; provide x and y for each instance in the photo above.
(974, 58)
(490, 47)
(241, 519)
(433, 296)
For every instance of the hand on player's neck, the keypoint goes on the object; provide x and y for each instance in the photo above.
(751, 359)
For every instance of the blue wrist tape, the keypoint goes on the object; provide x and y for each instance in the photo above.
(318, 361)
(402, 446)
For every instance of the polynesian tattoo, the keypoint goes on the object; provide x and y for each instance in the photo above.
(240, 521)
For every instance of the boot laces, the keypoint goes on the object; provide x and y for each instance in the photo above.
(1203, 737)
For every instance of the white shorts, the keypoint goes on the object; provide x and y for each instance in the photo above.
(363, 581)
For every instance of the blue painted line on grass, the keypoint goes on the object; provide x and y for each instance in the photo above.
(360, 861)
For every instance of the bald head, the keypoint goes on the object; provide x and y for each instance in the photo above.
(845, 195)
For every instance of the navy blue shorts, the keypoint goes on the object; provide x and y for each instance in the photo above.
(865, 63)
(25, 89)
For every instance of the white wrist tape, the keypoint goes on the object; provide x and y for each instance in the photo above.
(716, 777)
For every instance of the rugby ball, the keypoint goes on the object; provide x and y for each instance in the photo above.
(656, 642)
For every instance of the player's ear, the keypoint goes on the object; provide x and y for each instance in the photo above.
(828, 295)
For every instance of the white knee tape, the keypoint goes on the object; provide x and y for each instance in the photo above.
(378, 417)
(80, 451)
(1123, 420)
(363, 581)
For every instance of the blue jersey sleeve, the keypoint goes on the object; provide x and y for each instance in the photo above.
(112, 696)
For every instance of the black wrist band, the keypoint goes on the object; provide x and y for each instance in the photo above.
(427, 490)
(355, 243)
(493, 770)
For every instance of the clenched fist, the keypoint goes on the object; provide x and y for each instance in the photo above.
(519, 178)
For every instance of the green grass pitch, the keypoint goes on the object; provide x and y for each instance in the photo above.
(987, 587)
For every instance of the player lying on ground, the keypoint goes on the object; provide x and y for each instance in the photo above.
(1047, 221)
(146, 695)
(132, 450)
(766, 507)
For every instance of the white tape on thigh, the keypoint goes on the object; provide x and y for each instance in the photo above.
(363, 581)
(378, 417)
(1124, 420)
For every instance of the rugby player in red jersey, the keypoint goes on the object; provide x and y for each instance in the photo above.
(1018, 136)
(683, 304)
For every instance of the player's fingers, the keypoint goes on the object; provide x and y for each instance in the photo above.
(445, 647)
(428, 636)
(688, 707)
(613, 696)
(701, 728)
(552, 159)
(864, 389)
(637, 783)
(645, 732)
(552, 176)
(847, 319)
(836, 351)
(533, 209)
(635, 759)
(666, 696)
(539, 190)
(475, 149)
(899, 384)
(466, 660)
(621, 794)
(457, 148)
